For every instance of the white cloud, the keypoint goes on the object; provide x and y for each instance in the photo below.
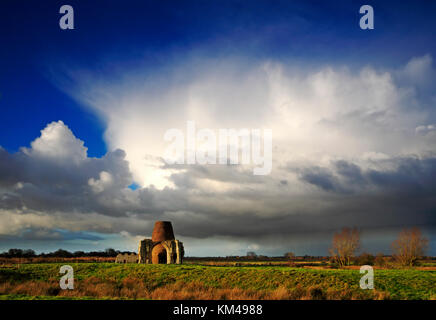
(99, 185)
(316, 115)
(426, 129)
(57, 142)
(419, 71)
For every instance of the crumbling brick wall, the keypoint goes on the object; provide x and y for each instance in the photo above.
(126, 258)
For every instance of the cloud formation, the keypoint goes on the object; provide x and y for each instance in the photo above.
(350, 148)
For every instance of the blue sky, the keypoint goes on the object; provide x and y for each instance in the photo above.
(137, 52)
(313, 32)
(122, 33)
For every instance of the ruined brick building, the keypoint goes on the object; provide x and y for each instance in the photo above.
(162, 247)
(126, 258)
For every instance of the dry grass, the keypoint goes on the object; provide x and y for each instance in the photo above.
(135, 281)
(131, 288)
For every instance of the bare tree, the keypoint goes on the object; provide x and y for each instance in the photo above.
(409, 246)
(344, 246)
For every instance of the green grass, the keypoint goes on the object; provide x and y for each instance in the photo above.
(401, 283)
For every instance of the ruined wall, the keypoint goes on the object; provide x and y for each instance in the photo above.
(149, 251)
(144, 251)
(174, 250)
(126, 258)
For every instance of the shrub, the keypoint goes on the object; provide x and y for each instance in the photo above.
(365, 259)
(380, 260)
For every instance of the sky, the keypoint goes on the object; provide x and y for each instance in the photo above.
(84, 113)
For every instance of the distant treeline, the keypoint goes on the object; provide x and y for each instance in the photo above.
(29, 253)
(257, 258)
(364, 258)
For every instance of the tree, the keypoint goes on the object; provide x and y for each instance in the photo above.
(15, 252)
(365, 259)
(111, 252)
(79, 254)
(29, 253)
(60, 253)
(344, 246)
(409, 246)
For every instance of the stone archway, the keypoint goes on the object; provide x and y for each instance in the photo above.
(159, 254)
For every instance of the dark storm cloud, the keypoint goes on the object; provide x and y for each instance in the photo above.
(409, 176)
(48, 185)
(322, 178)
(217, 172)
(349, 196)
(52, 184)
(402, 195)
(63, 191)
(41, 234)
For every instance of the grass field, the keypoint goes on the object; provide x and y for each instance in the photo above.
(135, 281)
